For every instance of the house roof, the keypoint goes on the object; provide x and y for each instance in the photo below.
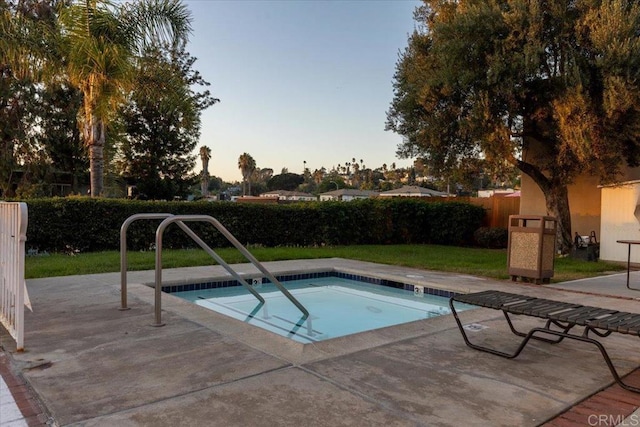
(350, 192)
(413, 190)
(286, 193)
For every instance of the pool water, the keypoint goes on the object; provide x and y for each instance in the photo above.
(337, 307)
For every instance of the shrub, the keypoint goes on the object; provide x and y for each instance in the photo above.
(492, 238)
(85, 224)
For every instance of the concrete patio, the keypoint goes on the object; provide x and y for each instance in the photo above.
(91, 364)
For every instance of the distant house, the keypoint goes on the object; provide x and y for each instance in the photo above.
(272, 194)
(496, 192)
(291, 196)
(347, 195)
(413, 191)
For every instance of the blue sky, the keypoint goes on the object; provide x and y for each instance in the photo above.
(299, 80)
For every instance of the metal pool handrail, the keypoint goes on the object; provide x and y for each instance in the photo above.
(179, 219)
(123, 251)
(190, 233)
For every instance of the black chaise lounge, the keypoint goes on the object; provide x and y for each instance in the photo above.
(564, 316)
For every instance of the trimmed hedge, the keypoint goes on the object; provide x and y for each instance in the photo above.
(87, 225)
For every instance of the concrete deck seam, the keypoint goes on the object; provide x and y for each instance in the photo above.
(387, 407)
(590, 293)
(373, 400)
(105, 345)
(188, 393)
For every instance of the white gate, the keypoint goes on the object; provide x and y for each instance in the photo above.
(13, 234)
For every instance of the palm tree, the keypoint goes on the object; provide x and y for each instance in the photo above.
(100, 43)
(356, 175)
(247, 165)
(318, 175)
(205, 155)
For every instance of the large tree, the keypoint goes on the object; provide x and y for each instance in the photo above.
(285, 181)
(162, 122)
(100, 42)
(495, 78)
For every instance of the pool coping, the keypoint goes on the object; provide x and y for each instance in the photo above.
(288, 349)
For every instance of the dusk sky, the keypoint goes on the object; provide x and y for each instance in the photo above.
(299, 80)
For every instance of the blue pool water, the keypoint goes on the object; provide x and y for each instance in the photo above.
(337, 307)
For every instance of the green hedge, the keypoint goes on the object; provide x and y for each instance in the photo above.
(87, 225)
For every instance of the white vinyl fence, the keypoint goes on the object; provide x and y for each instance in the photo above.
(13, 294)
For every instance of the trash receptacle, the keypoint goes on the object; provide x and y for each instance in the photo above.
(532, 247)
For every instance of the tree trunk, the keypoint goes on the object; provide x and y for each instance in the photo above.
(204, 184)
(557, 202)
(7, 166)
(95, 140)
(74, 182)
(557, 198)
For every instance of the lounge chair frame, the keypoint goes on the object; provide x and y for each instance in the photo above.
(561, 315)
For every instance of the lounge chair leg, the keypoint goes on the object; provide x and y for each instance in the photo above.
(524, 342)
(603, 351)
(598, 333)
(548, 326)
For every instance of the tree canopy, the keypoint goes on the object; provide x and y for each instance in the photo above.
(285, 181)
(162, 122)
(551, 87)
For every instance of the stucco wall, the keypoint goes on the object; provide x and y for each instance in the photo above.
(629, 174)
(619, 221)
(531, 198)
(584, 203)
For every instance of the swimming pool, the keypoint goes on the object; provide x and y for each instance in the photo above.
(339, 304)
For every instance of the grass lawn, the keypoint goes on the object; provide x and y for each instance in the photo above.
(478, 262)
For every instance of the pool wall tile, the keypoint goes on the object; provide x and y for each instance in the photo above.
(311, 275)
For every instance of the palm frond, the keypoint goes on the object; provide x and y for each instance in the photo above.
(27, 43)
(157, 22)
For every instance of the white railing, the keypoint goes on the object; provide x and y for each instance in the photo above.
(13, 234)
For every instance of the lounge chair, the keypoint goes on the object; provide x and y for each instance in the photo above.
(564, 316)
